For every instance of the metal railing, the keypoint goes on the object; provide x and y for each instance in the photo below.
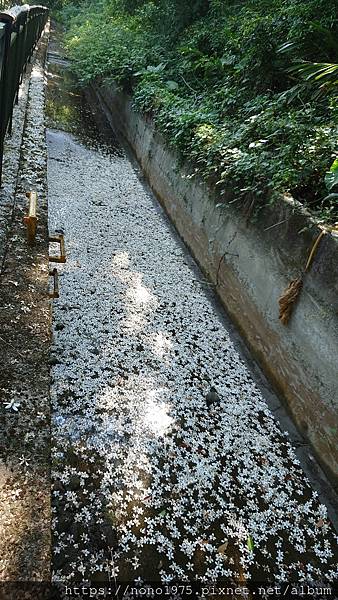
(20, 30)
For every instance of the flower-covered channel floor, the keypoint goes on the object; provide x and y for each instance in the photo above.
(150, 480)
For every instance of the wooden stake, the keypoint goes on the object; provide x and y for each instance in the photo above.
(31, 219)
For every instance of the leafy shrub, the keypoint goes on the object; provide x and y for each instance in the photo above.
(215, 76)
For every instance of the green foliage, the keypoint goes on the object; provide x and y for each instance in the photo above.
(331, 178)
(323, 77)
(222, 81)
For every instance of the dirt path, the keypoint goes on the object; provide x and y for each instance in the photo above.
(149, 481)
(25, 320)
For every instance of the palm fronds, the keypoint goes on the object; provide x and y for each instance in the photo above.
(323, 75)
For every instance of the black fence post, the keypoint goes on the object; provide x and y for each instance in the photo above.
(3, 90)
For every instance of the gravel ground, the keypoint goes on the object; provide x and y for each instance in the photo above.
(151, 482)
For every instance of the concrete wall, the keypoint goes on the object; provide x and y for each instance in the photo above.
(258, 263)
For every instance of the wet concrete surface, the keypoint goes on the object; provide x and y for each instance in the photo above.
(151, 480)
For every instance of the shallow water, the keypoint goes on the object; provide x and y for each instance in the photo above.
(67, 108)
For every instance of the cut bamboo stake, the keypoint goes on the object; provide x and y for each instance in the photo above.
(31, 219)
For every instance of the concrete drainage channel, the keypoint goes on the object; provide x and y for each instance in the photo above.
(153, 478)
(152, 481)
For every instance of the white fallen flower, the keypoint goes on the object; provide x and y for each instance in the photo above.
(12, 405)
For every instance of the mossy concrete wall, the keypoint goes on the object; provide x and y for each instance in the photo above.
(251, 261)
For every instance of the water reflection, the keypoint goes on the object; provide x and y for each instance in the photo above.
(72, 108)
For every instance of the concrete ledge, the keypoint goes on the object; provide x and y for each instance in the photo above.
(250, 264)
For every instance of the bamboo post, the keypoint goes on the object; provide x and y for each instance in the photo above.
(31, 219)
